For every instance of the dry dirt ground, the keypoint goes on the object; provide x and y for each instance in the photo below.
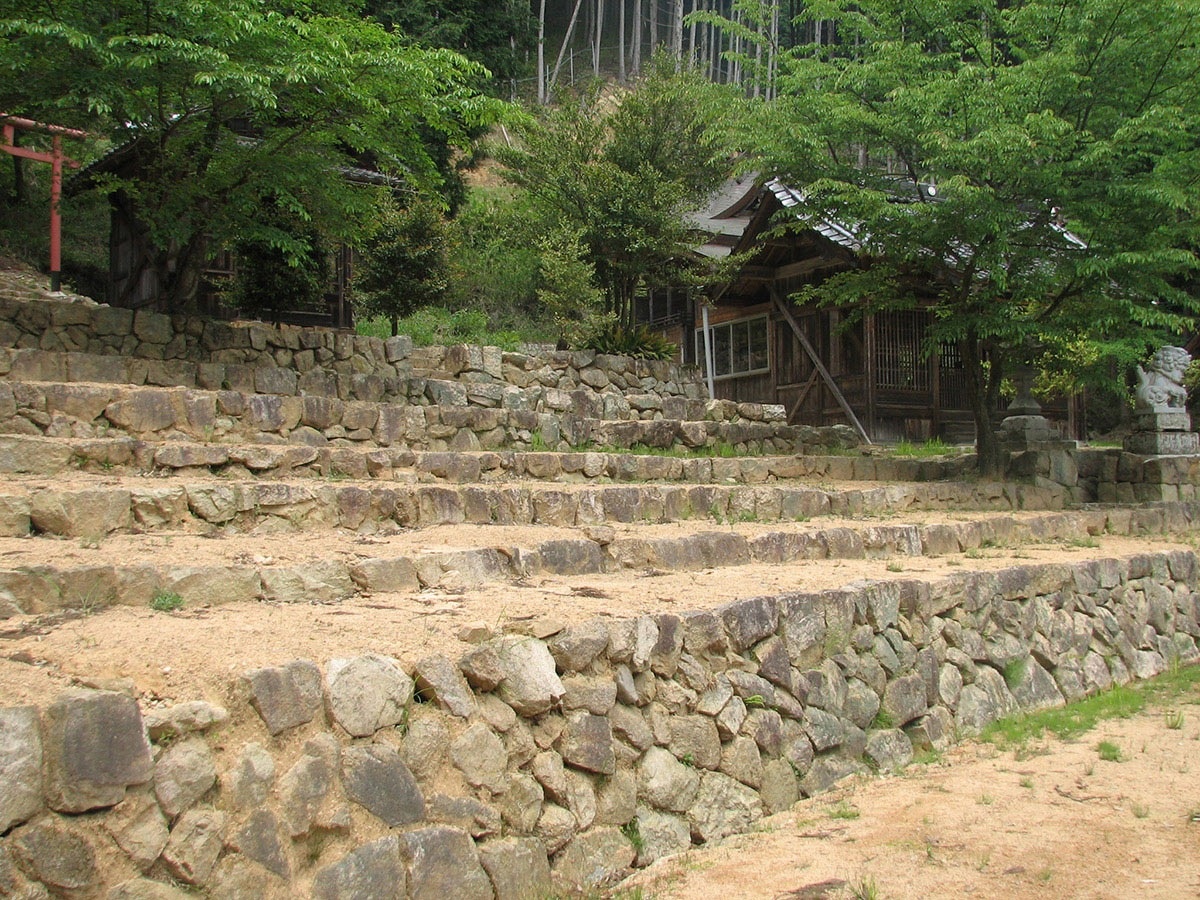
(979, 822)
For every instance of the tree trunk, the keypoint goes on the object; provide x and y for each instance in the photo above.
(636, 38)
(983, 372)
(622, 74)
(566, 41)
(599, 35)
(654, 5)
(677, 32)
(541, 53)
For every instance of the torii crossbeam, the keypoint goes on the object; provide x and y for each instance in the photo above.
(57, 161)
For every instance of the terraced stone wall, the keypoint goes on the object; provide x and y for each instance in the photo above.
(564, 755)
(1110, 475)
(76, 368)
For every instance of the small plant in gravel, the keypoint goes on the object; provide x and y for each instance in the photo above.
(1140, 810)
(864, 889)
(844, 810)
(1174, 719)
(166, 601)
(1109, 752)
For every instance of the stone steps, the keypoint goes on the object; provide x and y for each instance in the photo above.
(102, 505)
(424, 418)
(38, 455)
(43, 575)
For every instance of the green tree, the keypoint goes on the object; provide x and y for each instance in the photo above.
(621, 174)
(963, 140)
(496, 33)
(225, 106)
(565, 288)
(404, 263)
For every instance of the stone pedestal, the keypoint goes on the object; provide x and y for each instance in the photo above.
(1162, 433)
(1030, 432)
(1163, 443)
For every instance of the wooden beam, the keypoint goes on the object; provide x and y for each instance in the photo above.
(816, 361)
(812, 379)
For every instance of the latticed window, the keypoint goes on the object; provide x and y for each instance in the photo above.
(898, 339)
(739, 348)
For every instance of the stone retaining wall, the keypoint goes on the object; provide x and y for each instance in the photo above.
(426, 415)
(1110, 475)
(562, 756)
(50, 588)
(144, 347)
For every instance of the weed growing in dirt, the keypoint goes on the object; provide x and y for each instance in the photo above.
(986, 799)
(895, 567)
(1027, 782)
(1109, 752)
(1174, 719)
(166, 601)
(864, 889)
(1140, 810)
(844, 810)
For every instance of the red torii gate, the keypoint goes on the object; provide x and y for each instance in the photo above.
(57, 161)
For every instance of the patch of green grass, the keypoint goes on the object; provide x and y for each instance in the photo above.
(1109, 752)
(166, 601)
(883, 719)
(755, 701)
(1070, 721)
(1140, 810)
(932, 447)
(986, 799)
(844, 810)
(1027, 783)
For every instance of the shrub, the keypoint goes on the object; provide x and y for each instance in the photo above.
(638, 342)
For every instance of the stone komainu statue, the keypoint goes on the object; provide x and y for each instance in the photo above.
(1161, 388)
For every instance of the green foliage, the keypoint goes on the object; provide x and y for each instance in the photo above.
(931, 447)
(1029, 122)
(634, 835)
(1014, 671)
(621, 172)
(496, 34)
(637, 341)
(404, 262)
(1077, 718)
(494, 263)
(438, 326)
(281, 265)
(1109, 752)
(166, 601)
(235, 103)
(565, 289)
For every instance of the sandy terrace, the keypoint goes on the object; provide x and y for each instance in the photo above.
(199, 652)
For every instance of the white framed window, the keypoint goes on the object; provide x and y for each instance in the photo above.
(740, 348)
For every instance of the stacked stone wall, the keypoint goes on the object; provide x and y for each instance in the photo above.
(562, 756)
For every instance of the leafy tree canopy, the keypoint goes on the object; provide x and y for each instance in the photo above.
(236, 103)
(496, 33)
(1026, 120)
(620, 173)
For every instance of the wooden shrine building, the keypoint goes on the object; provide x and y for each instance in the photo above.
(821, 367)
